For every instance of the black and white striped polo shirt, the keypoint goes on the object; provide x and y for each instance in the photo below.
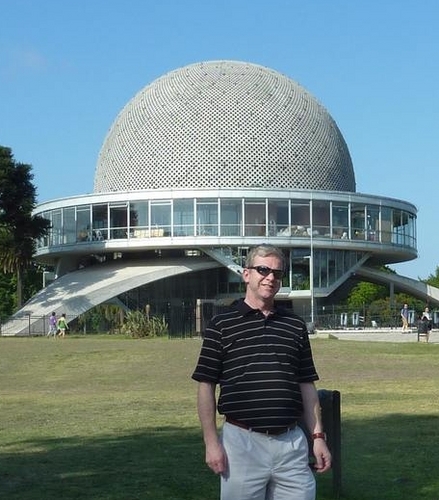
(258, 361)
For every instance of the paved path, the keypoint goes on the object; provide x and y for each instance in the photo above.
(383, 335)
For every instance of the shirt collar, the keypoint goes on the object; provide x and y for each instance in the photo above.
(245, 309)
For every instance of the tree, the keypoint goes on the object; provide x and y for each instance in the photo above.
(365, 293)
(7, 292)
(433, 279)
(19, 227)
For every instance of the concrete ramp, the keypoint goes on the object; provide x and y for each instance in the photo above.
(78, 291)
(428, 293)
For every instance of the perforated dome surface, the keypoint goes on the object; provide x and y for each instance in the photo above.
(224, 124)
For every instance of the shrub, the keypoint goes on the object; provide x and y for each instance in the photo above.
(140, 325)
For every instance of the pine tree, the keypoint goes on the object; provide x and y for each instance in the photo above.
(19, 227)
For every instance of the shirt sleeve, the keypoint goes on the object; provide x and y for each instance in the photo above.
(307, 370)
(209, 366)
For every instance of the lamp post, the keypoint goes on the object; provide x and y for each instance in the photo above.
(310, 258)
(311, 284)
(311, 276)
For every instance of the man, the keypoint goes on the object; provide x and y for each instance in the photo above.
(405, 317)
(260, 356)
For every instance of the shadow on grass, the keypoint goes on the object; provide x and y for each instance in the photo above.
(391, 458)
(160, 464)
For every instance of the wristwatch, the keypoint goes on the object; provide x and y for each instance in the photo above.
(319, 435)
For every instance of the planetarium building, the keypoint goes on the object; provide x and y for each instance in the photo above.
(202, 164)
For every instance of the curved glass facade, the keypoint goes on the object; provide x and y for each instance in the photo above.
(354, 218)
(333, 231)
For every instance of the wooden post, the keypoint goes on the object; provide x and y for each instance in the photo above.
(330, 402)
(198, 317)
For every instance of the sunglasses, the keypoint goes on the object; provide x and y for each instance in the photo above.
(265, 271)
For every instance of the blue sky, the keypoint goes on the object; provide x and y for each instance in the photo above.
(69, 66)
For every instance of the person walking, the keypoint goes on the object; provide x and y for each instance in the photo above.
(260, 356)
(52, 325)
(426, 318)
(424, 328)
(62, 325)
(405, 317)
(426, 314)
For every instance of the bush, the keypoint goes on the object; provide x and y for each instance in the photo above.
(140, 325)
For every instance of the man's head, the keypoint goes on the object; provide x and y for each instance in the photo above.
(263, 272)
(264, 250)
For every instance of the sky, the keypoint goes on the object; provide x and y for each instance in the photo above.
(68, 67)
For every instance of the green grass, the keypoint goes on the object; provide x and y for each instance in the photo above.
(102, 417)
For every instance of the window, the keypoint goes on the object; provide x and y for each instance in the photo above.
(231, 217)
(69, 223)
(300, 218)
(321, 218)
(255, 218)
(340, 221)
(160, 218)
(118, 221)
(183, 217)
(372, 222)
(83, 223)
(358, 223)
(207, 217)
(278, 220)
(100, 222)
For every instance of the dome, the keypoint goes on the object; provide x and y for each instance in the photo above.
(224, 124)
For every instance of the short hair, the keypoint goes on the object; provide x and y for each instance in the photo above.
(264, 250)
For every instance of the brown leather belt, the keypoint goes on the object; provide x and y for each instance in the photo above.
(274, 431)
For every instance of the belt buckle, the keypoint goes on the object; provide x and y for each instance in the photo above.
(284, 430)
(277, 432)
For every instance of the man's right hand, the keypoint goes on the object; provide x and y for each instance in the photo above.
(216, 458)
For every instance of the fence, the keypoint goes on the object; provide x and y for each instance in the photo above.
(25, 325)
(190, 319)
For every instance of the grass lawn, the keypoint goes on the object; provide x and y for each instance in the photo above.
(106, 418)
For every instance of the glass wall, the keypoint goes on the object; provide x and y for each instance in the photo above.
(404, 229)
(386, 225)
(372, 223)
(340, 220)
(331, 265)
(358, 224)
(300, 218)
(57, 234)
(100, 222)
(278, 217)
(160, 218)
(231, 217)
(255, 218)
(207, 217)
(321, 218)
(69, 224)
(44, 242)
(183, 218)
(118, 220)
(83, 223)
